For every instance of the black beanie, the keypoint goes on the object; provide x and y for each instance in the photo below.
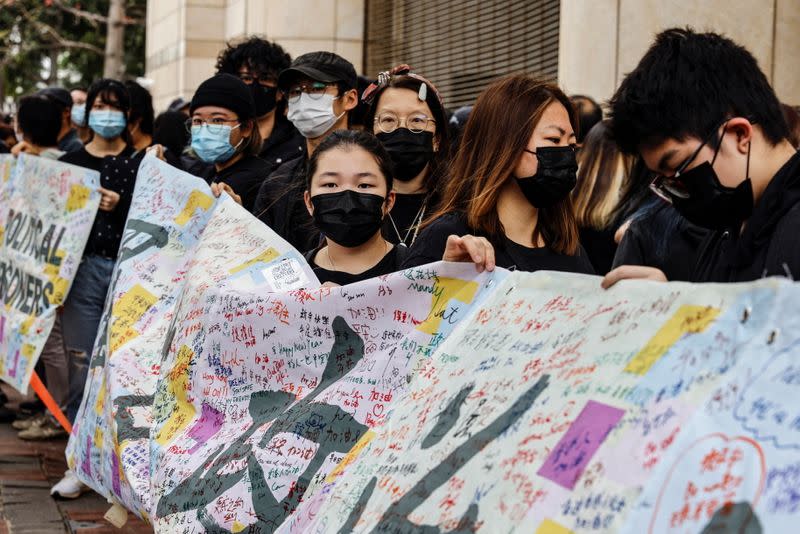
(225, 91)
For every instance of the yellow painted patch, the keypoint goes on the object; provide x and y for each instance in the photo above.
(59, 284)
(28, 350)
(197, 200)
(101, 398)
(548, 526)
(265, 257)
(125, 313)
(445, 290)
(177, 386)
(26, 325)
(687, 320)
(78, 197)
(237, 527)
(351, 456)
(98, 438)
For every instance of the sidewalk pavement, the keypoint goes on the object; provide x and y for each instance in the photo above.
(28, 469)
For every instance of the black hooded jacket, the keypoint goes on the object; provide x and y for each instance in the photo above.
(770, 242)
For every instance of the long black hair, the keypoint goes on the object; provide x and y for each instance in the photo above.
(350, 139)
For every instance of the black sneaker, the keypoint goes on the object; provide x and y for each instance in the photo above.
(6, 415)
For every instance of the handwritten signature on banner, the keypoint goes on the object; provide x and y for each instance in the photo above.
(46, 212)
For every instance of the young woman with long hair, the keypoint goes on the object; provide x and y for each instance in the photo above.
(510, 182)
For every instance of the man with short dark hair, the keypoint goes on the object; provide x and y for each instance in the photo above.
(589, 114)
(320, 88)
(39, 123)
(68, 139)
(705, 120)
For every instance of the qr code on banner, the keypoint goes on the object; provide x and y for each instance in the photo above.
(285, 275)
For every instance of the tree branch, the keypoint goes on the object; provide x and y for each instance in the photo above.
(94, 18)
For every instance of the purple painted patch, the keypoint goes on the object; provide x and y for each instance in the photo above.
(206, 427)
(86, 464)
(12, 372)
(115, 475)
(570, 457)
(2, 328)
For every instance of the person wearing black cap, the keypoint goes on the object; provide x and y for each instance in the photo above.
(257, 62)
(320, 88)
(181, 105)
(225, 134)
(68, 139)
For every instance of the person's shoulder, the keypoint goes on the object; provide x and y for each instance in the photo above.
(75, 156)
(583, 263)
(286, 171)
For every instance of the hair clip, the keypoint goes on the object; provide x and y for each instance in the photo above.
(423, 92)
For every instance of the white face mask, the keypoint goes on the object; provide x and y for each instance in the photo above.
(313, 116)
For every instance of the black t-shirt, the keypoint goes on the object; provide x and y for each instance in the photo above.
(117, 173)
(389, 264)
(430, 244)
(244, 177)
(600, 247)
(405, 213)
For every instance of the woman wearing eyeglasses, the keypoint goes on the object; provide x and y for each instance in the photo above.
(407, 116)
(225, 134)
(510, 182)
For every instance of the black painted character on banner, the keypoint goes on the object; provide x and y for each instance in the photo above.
(333, 429)
(396, 518)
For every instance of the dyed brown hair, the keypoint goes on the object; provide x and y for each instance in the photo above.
(495, 136)
(603, 172)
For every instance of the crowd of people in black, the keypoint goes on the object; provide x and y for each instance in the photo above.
(691, 174)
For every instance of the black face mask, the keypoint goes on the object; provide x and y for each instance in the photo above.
(264, 97)
(701, 198)
(709, 203)
(410, 151)
(348, 218)
(555, 176)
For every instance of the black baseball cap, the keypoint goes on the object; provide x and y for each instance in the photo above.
(321, 67)
(58, 95)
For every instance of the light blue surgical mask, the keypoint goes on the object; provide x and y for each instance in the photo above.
(107, 123)
(79, 115)
(213, 144)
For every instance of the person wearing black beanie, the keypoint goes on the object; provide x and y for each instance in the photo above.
(225, 135)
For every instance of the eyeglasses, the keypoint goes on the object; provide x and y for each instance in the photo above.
(314, 90)
(416, 122)
(669, 188)
(265, 80)
(215, 125)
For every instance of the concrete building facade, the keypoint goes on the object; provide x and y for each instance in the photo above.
(598, 41)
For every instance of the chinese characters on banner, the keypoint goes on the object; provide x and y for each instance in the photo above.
(231, 393)
(46, 212)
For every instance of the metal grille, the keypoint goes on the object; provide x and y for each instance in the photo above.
(462, 46)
